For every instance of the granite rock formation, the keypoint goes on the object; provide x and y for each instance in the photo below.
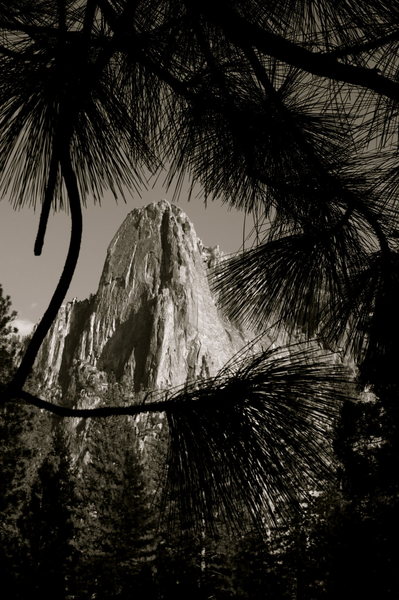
(153, 322)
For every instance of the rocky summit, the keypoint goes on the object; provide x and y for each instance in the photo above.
(153, 322)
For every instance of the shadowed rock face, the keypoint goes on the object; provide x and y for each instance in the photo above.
(153, 322)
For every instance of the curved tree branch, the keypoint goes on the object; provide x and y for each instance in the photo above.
(54, 161)
(48, 198)
(43, 327)
(246, 34)
(101, 412)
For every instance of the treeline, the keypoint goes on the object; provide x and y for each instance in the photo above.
(87, 525)
(74, 528)
(81, 518)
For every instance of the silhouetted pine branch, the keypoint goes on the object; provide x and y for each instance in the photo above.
(287, 111)
(294, 279)
(254, 440)
(365, 319)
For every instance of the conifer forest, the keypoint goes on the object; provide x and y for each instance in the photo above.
(270, 472)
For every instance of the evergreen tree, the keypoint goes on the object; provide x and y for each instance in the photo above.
(288, 111)
(210, 93)
(25, 436)
(48, 524)
(116, 535)
(266, 568)
(24, 439)
(8, 340)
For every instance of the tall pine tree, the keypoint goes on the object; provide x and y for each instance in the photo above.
(116, 534)
(48, 524)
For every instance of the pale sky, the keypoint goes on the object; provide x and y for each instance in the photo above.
(30, 280)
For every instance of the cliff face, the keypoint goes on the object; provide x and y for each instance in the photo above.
(153, 322)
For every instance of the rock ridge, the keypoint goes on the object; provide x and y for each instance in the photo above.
(153, 322)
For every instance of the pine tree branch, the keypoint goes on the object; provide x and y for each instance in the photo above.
(246, 34)
(11, 53)
(85, 413)
(43, 327)
(48, 198)
(181, 88)
(333, 182)
(117, 24)
(359, 48)
(54, 161)
(244, 370)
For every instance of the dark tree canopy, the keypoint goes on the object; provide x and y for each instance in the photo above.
(286, 110)
(8, 343)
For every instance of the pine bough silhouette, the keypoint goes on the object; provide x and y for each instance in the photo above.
(287, 111)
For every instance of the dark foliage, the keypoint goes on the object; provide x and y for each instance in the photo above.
(115, 534)
(48, 524)
(8, 341)
(255, 438)
(273, 109)
(288, 111)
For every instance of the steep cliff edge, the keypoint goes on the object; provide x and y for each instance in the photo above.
(153, 322)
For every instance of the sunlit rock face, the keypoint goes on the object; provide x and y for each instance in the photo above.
(153, 322)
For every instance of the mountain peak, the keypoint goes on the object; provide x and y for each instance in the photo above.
(153, 322)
